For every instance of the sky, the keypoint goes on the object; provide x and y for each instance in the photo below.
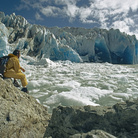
(106, 14)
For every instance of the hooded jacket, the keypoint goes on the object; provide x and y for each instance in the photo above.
(13, 64)
(13, 70)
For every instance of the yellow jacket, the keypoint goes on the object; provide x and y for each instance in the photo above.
(13, 64)
(13, 70)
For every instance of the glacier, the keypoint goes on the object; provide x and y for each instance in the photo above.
(68, 43)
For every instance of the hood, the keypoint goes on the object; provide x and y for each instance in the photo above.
(12, 55)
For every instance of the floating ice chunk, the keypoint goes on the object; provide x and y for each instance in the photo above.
(34, 84)
(27, 59)
(72, 84)
(78, 97)
(44, 62)
(123, 96)
(38, 100)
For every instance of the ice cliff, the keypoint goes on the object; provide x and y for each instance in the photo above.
(100, 45)
(69, 43)
(32, 40)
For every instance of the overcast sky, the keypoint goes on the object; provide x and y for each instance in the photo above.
(120, 14)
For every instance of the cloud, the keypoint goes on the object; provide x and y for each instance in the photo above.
(51, 11)
(105, 13)
(71, 10)
(117, 5)
(38, 16)
(123, 25)
(98, 9)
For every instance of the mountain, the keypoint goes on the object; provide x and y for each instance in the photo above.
(68, 43)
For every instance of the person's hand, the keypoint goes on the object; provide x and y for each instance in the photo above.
(23, 69)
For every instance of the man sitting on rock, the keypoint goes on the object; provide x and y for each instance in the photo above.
(13, 69)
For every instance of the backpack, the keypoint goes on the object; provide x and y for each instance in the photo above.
(3, 61)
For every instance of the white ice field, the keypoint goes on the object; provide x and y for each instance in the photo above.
(67, 84)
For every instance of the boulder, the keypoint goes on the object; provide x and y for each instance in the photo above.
(21, 116)
(120, 120)
(93, 134)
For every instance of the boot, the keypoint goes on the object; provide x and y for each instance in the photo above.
(16, 84)
(25, 90)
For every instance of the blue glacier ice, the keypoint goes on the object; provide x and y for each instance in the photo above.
(67, 54)
(68, 43)
(4, 48)
(101, 50)
(100, 45)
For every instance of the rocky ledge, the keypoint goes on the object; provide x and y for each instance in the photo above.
(21, 116)
(120, 120)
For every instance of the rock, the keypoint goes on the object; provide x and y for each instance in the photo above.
(120, 120)
(93, 134)
(21, 116)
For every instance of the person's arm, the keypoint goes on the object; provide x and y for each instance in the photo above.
(16, 66)
(22, 69)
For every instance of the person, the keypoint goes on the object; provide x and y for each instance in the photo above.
(14, 70)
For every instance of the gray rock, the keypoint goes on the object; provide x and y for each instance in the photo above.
(21, 116)
(93, 134)
(121, 120)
